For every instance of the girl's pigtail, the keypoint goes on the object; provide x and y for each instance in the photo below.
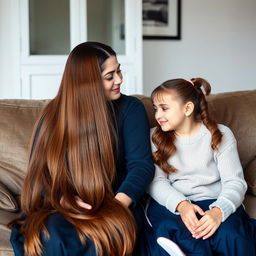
(203, 111)
(164, 142)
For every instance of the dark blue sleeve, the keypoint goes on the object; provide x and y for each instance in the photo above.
(17, 241)
(137, 150)
(63, 240)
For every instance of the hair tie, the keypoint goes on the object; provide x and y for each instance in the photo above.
(191, 82)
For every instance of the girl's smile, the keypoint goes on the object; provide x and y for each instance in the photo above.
(169, 112)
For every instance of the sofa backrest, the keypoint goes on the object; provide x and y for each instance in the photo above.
(17, 118)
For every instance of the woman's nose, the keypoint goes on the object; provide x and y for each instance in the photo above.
(118, 78)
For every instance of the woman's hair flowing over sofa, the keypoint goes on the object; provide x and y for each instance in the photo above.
(72, 155)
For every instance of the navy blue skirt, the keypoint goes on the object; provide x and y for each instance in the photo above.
(236, 236)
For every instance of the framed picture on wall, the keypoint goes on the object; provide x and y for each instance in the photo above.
(161, 19)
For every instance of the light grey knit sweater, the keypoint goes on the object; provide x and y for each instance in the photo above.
(202, 173)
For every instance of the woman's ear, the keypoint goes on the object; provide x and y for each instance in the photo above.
(189, 108)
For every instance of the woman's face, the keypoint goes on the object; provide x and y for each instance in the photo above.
(112, 78)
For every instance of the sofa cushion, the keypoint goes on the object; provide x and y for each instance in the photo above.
(7, 201)
(250, 176)
(237, 111)
(16, 125)
(149, 109)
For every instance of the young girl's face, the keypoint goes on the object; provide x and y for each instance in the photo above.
(112, 78)
(169, 111)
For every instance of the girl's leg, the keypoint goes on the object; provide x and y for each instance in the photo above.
(235, 236)
(166, 224)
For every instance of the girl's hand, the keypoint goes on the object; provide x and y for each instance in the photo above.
(79, 201)
(187, 212)
(208, 224)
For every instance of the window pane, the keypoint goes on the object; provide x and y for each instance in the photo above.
(49, 28)
(105, 23)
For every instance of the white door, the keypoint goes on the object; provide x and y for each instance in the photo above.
(50, 29)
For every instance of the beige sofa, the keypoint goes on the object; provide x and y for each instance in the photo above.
(235, 109)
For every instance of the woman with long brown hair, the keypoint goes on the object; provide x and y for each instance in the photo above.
(90, 163)
(199, 187)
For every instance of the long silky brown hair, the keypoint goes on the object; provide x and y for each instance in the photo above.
(72, 155)
(186, 91)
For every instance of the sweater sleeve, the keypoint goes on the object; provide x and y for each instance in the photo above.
(164, 193)
(231, 175)
(137, 149)
(161, 189)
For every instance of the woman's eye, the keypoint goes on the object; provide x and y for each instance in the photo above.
(164, 109)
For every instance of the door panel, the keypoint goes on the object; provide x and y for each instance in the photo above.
(41, 82)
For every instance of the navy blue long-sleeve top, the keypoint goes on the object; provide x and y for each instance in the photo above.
(135, 168)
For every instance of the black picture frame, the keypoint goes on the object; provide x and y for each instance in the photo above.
(161, 19)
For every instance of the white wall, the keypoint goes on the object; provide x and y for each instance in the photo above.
(9, 50)
(218, 43)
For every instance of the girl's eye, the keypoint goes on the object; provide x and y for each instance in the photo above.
(164, 109)
(109, 78)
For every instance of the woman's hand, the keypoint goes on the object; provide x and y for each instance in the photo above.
(208, 224)
(188, 212)
(124, 199)
(79, 201)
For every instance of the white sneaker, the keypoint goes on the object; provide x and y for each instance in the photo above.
(172, 248)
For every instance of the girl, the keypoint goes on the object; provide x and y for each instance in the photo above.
(198, 188)
(90, 160)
